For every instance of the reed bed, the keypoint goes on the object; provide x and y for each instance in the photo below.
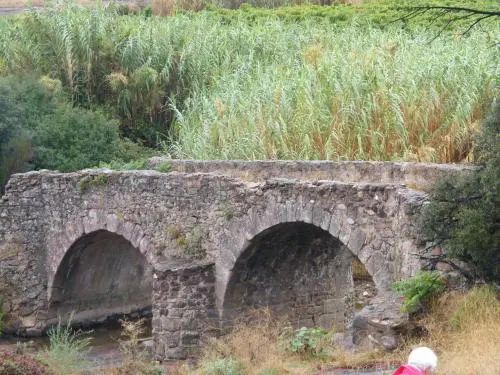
(207, 89)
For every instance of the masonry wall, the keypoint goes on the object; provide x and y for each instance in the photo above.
(184, 310)
(298, 271)
(188, 218)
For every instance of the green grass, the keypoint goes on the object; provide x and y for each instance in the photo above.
(303, 82)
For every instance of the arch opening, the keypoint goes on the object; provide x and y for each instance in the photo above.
(297, 270)
(101, 276)
(364, 286)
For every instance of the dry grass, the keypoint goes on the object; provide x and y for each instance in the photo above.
(465, 330)
(168, 7)
(256, 345)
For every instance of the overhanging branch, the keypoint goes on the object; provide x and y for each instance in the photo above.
(460, 13)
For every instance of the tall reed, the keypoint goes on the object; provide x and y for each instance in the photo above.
(266, 89)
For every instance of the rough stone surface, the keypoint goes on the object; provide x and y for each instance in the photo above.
(184, 312)
(48, 222)
(419, 176)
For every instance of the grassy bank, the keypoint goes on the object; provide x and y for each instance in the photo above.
(462, 327)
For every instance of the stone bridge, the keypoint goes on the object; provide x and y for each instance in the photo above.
(202, 245)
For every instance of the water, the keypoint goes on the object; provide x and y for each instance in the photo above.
(104, 347)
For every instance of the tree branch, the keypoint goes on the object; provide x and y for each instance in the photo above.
(481, 15)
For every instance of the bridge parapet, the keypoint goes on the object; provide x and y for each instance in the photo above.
(419, 176)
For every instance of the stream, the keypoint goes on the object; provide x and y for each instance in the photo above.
(104, 350)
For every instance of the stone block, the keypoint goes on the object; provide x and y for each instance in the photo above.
(327, 321)
(190, 338)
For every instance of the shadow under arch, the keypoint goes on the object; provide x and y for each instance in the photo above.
(102, 274)
(297, 269)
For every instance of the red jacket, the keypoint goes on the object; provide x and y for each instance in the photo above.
(408, 370)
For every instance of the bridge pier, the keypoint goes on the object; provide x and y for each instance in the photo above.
(184, 311)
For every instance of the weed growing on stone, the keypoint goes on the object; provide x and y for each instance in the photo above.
(192, 243)
(92, 181)
(138, 164)
(163, 167)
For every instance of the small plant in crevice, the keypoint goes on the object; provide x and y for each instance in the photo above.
(163, 167)
(190, 242)
(193, 243)
(419, 290)
(92, 181)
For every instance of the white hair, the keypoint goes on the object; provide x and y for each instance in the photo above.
(423, 358)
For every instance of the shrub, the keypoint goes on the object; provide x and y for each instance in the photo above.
(119, 165)
(310, 342)
(20, 364)
(67, 349)
(462, 216)
(163, 167)
(73, 139)
(23, 103)
(223, 366)
(419, 290)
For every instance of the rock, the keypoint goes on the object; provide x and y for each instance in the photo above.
(389, 342)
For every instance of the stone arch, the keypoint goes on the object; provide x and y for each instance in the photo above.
(102, 274)
(296, 269)
(100, 265)
(332, 219)
(94, 221)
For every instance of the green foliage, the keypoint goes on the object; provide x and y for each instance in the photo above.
(223, 366)
(164, 167)
(20, 364)
(40, 130)
(462, 216)
(310, 342)
(67, 350)
(74, 138)
(119, 165)
(23, 103)
(95, 180)
(419, 290)
(305, 82)
(380, 13)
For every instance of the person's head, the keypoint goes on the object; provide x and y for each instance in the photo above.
(424, 359)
